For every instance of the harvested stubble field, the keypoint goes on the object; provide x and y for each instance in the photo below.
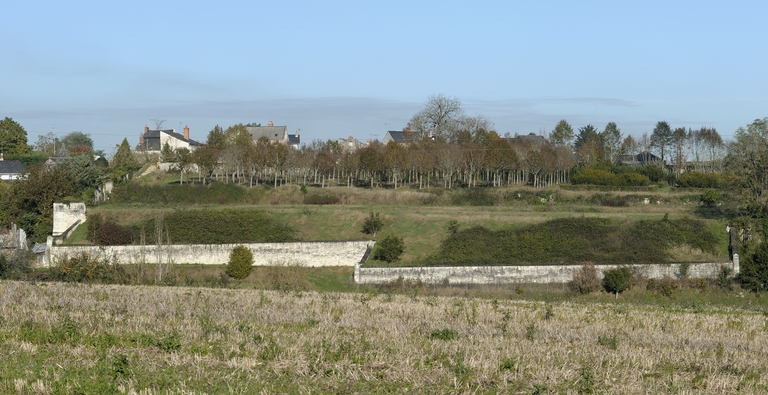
(65, 338)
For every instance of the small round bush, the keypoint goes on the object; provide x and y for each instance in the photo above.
(389, 249)
(373, 224)
(240, 262)
(710, 197)
(617, 280)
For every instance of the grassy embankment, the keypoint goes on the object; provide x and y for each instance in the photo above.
(65, 338)
(420, 217)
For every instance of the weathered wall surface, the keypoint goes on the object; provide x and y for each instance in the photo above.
(310, 254)
(66, 215)
(522, 274)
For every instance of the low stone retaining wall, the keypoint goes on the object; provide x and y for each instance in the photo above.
(524, 274)
(308, 254)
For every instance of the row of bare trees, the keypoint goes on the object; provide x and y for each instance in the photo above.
(231, 156)
(449, 147)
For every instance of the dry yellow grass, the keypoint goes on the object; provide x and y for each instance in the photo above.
(250, 341)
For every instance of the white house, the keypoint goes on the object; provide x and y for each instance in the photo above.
(155, 140)
(11, 170)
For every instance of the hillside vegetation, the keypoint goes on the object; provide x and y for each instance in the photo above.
(575, 240)
(422, 219)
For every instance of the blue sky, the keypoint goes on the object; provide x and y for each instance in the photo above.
(337, 68)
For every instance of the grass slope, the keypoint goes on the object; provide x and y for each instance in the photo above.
(421, 217)
(575, 240)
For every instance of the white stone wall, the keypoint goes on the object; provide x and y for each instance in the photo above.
(308, 254)
(521, 274)
(65, 215)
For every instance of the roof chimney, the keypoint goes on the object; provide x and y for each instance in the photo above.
(146, 128)
(296, 134)
(186, 132)
(141, 139)
(270, 124)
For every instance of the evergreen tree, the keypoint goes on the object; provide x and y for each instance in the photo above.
(123, 163)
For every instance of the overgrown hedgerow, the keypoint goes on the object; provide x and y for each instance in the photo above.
(569, 240)
(218, 227)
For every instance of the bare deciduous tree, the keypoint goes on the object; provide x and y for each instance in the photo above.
(439, 118)
(158, 122)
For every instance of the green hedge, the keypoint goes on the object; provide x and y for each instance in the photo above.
(574, 240)
(695, 179)
(594, 176)
(216, 193)
(216, 227)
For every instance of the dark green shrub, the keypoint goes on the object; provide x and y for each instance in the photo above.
(754, 269)
(634, 179)
(653, 172)
(594, 177)
(389, 249)
(617, 280)
(321, 199)
(695, 179)
(710, 197)
(373, 224)
(111, 234)
(240, 262)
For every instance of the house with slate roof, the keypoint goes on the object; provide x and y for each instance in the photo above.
(154, 140)
(11, 170)
(275, 134)
(401, 137)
